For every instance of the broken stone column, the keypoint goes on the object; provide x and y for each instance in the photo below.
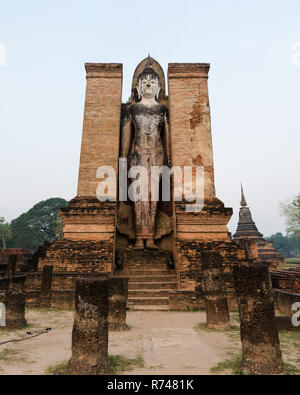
(90, 330)
(15, 303)
(117, 300)
(11, 266)
(259, 335)
(45, 297)
(214, 291)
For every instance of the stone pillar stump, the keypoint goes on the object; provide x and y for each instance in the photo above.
(259, 335)
(45, 298)
(15, 303)
(214, 291)
(118, 295)
(90, 330)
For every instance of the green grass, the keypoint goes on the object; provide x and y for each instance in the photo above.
(289, 263)
(118, 364)
(293, 260)
(290, 347)
(291, 369)
(9, 355)
(232, 366)
(59, 369)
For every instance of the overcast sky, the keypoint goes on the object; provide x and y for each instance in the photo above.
(254, 51)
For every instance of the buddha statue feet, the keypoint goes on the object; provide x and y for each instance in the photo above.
(139, 245)
(150, 245)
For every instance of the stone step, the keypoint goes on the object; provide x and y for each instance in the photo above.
(143, 268)
(148, 308)
(148, 292)
(150, 272)
(147, 264)
(142, 301)
(152, 279)
(152, 285)
(135, 255)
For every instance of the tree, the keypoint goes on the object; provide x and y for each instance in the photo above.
(291, 211)
(281, 243)
(39, 224)
(287, 246)
(5, 232)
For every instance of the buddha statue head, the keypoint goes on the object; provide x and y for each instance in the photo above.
(148, 86)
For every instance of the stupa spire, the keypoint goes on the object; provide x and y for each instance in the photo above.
(243, 200)
(246, 226)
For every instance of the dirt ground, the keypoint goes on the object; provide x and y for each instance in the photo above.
(168, 343)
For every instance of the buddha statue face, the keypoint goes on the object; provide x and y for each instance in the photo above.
(148, 86)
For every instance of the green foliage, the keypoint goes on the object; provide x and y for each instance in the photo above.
(60, 369)
(291, 211)
(120, 364)
(289, 245)
(232, 366)
(5, 232)
(41, 223)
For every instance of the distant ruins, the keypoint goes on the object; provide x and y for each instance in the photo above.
(247, 230)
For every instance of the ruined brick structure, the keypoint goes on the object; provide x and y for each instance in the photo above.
(97, 234)
(287, 280)
(247, 230)
(23, 258)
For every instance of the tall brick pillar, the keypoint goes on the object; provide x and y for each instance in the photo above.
(89, 225)
(101, 125)
(191, 141)
(191, 145)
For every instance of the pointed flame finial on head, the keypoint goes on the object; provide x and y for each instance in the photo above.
(148, 70)
(243, 200)
(149, 63)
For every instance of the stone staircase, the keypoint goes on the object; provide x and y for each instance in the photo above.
(150, 279)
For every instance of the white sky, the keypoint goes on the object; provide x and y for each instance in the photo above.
(254, 51)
